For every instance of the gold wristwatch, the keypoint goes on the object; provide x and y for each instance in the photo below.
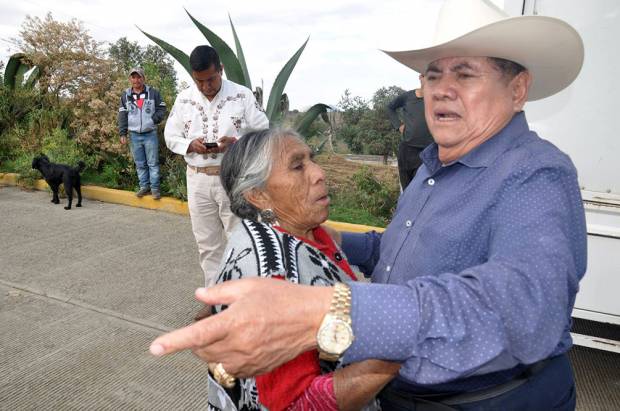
(335, 333)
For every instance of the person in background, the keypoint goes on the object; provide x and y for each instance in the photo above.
(475, 278)
(206, 119)
(140, 111)
(413, 129)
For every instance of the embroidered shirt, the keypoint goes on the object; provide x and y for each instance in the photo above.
(480, 266)
(232, 113)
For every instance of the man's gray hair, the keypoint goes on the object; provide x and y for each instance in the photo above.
(247, 165)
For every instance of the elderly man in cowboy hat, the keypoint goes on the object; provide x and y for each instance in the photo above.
(475, 278)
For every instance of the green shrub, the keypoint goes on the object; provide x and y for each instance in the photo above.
(119, 172)
(377, 197)
(22, 165)
(173, 177)
(345, 208)
(10, 145)
(61, 149)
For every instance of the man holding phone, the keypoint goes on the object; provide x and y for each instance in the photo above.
(205, 120)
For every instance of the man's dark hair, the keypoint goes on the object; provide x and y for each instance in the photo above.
(509, 69)
(203, 57)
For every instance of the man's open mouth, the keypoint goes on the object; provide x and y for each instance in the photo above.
(445, 115)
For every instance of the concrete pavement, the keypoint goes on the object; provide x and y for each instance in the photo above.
(82, 294)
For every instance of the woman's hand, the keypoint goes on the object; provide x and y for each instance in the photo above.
(356, 385)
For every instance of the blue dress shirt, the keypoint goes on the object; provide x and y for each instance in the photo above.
(479, 268)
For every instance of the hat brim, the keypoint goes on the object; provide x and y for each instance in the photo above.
(549, 48)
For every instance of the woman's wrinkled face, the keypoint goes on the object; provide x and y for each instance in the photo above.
(296, 189)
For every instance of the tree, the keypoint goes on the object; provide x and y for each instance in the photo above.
(127, 54)
(365, 126)
(69, 59)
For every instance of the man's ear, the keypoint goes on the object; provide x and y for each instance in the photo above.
(258, 198)
(520, 85)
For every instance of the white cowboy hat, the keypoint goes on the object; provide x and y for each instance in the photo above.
(548, 47)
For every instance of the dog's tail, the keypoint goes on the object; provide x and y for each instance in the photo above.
(80, 166)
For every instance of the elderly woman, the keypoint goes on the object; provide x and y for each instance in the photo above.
(280, 193)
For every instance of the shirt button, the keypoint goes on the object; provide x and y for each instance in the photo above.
(408, 223)
(431, 182)
(388, 268)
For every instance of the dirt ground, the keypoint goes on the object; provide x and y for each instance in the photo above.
(339, 170)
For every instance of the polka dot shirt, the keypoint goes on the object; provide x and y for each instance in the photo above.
(479, 268)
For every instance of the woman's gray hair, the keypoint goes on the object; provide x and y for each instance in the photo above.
(247, 165)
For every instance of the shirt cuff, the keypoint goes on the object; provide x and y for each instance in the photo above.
(385, 322)
(184, 146)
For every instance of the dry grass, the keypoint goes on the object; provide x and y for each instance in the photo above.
(339, 171)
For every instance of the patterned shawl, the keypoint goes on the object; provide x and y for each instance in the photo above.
(259, 250)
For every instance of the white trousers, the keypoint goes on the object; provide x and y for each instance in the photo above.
(212, 220)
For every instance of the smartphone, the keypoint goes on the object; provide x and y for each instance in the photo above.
(211, 145)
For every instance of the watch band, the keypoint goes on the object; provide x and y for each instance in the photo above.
(341, 302)
(339, 311)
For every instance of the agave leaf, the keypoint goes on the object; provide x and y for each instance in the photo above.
(321, 146)
(240, 56)
(12, 70)
(232, 67)
(170, 49)
(19, 76)
(278, 85)
(309, 116)
(32, 79)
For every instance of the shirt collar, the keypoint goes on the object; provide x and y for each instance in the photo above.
(485, 153)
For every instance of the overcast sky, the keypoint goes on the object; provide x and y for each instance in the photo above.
(342, 53)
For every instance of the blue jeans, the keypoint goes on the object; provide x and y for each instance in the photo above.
(145, 151)
(553, 388)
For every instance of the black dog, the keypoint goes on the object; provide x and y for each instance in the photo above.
(57, 174)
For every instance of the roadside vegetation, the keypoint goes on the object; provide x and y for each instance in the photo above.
(60, 96)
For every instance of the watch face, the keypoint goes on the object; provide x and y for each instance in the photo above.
(335, 336)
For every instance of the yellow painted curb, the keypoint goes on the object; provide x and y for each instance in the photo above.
(168, 204)
(352, 228)
(110, 195)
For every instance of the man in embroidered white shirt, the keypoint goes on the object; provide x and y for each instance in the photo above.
(205, 120)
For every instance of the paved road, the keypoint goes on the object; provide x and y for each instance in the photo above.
(82, 294)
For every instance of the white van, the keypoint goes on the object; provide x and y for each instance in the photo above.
(584, 122)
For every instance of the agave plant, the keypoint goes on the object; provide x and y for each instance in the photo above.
(15, 70)
(236, 70)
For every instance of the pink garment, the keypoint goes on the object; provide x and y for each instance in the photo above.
(319, 396)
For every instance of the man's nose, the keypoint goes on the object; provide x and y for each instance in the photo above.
(443, 88)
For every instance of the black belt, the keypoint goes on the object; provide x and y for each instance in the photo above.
(445, 402)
